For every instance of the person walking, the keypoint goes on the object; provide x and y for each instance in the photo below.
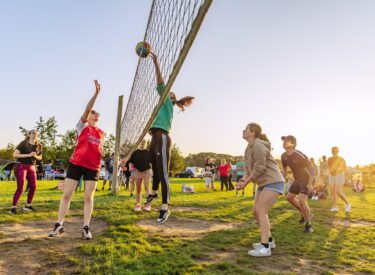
(108, 163)
(337, 169)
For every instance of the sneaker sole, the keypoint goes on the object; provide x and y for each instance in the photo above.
(150, 201)
(271, 246)
(259, 256)
(57, 235)
(28, 210)
(165, 220)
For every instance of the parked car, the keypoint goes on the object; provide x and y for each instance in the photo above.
(186, 174)
(198, 171)
(51, 172)
(6, 167)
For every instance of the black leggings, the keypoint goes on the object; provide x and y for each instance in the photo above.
(224, 181)
(230, 184)
(160, 149)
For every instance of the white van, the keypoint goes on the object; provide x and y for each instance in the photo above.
(197, 171)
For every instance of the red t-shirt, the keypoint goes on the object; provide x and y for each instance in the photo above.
(88, 151)
(224, 170)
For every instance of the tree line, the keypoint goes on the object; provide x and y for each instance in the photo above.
(55, 145)
(60, 146)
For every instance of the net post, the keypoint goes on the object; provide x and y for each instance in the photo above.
(117, 146)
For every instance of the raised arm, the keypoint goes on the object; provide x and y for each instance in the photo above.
(91, 102)
(159, 77)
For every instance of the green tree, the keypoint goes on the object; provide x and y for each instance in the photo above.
(7, 152)
(67, 145)
(48, 137)
(177, 162)
(109, 145)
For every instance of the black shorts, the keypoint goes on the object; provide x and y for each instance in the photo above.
(299, 187)
(75, 172)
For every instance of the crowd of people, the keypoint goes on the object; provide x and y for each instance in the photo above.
(299, 176)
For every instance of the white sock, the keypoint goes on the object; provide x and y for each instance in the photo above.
(164, 207)
(85, 225)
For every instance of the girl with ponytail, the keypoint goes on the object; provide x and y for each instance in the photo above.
(26, 153)
(263, 170)
(160, 147)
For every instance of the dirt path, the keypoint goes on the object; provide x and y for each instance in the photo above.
(182, 227)
(26, 249)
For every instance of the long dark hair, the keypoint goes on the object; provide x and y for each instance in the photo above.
(183, 102)
(257, 130)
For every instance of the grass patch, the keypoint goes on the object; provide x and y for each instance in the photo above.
(125, 247)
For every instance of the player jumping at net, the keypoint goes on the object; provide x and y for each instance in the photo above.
(85, 162)
(303, 173)
(160, 147)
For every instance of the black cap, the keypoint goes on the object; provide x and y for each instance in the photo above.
(290, 138)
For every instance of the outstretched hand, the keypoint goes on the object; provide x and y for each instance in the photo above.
(153, 57)
(241, 185)
(97, 86)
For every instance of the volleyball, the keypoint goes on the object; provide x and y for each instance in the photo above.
(143, 49)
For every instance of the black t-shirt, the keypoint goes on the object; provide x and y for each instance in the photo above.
(212, 167)
(141, 159)
(109, 165)
(26, 148)
(127, 171)
(299, 164)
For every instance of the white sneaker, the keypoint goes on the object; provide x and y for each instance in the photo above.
(260, 251)
(271, 244)
(348, 207)
(334, 209)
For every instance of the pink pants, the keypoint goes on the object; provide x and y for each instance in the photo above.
(25, 171)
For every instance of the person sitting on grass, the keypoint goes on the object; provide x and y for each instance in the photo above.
(358, 187)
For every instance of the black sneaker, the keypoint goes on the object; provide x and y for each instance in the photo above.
(164, 215)
(13, 211)
(86, 234)
(308, 228)
(302, 220)
(151, 197)
(57, 230)
(29, 208)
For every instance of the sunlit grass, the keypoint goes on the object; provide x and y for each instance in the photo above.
(125, 248)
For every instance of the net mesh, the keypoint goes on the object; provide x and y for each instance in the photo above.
(170, 25)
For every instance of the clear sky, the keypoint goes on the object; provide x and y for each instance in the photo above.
(305, 68)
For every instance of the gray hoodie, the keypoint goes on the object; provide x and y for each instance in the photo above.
(261, 166)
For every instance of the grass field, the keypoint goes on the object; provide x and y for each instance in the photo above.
(207, 233)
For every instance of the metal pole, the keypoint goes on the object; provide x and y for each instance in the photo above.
(117, 145)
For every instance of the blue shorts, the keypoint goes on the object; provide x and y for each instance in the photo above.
(277, 187)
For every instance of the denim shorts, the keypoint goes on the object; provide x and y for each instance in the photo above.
(277, 187)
